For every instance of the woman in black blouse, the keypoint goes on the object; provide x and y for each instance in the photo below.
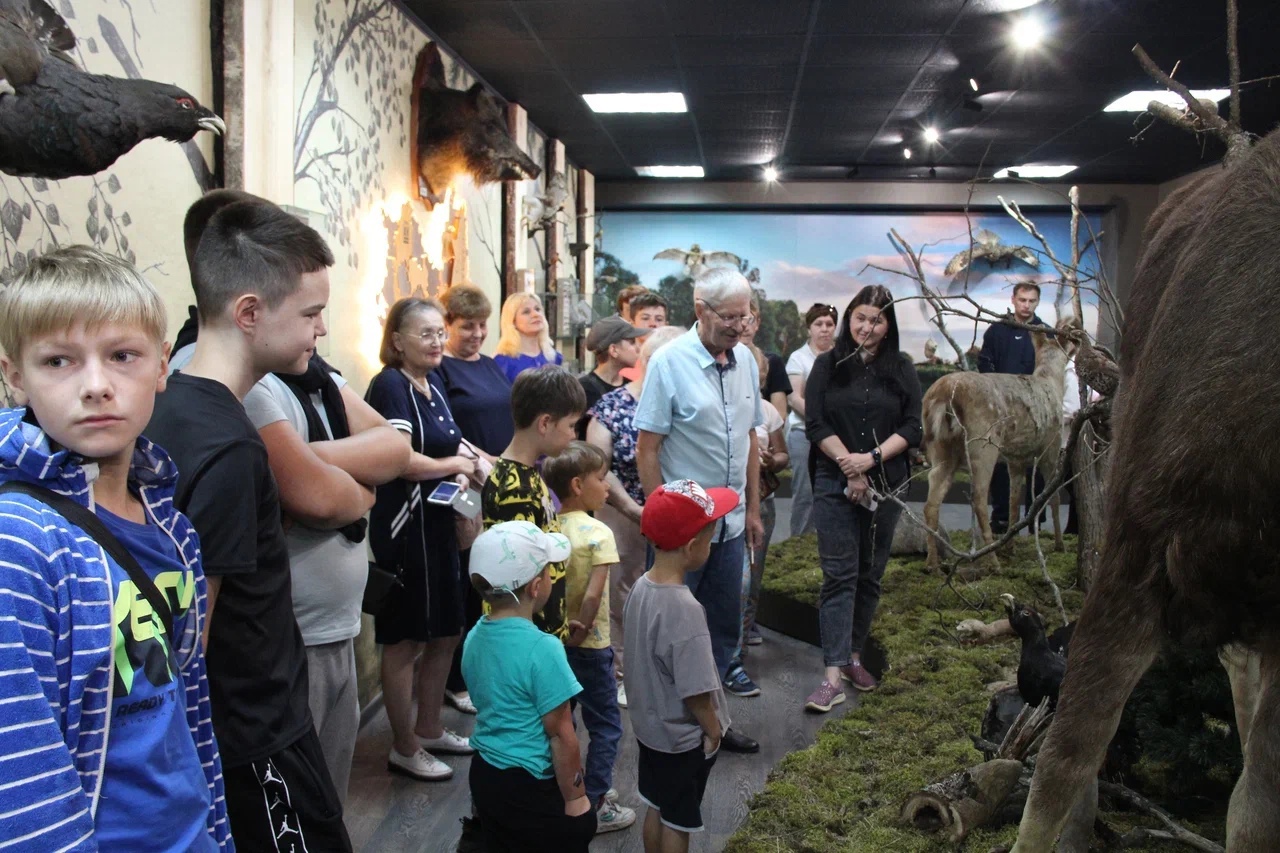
(862, 412)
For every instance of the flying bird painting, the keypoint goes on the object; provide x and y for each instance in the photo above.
(58, 121)
(697, 261)
(987, 246)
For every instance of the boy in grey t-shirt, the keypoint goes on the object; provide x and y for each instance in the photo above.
(677, 700)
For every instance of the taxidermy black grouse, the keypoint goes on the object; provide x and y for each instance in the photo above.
(57, 121)
(1040, 669)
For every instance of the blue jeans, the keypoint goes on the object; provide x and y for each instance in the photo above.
(801, 487)
(853, 548)
(599, 700)
(717, 585)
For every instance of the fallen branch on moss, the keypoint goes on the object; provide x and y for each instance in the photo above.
(1173, 830)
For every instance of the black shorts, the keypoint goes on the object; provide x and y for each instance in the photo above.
(519, 813)
(286, 802)
(673, 783)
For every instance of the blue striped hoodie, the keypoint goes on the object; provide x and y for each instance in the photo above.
(57, 639)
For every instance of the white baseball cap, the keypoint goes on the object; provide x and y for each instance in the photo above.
(510, 554)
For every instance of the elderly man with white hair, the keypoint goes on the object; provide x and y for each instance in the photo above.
(696, 420)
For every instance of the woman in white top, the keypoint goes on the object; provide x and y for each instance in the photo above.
(821, 322)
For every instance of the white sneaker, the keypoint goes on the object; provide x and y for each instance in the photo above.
(611, 795)
(622, 695)
(449, 743)
(422, 766)
(611, 817)
(461, 701)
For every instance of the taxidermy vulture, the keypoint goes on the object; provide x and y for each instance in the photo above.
(987, 246)
(697, 261)
(57, 121)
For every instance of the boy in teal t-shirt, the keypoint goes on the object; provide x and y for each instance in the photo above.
(526, 776)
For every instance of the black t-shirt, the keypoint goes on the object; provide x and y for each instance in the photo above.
(595, 388)
(256, 658)
(776, 379)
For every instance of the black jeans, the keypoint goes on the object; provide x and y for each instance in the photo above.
(999, 495)
(853, 548)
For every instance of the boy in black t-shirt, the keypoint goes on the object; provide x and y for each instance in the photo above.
(545, 405)
(261, 281)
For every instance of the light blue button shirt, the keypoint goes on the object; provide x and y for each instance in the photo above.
(707, 412)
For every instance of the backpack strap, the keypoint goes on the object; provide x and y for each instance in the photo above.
(87, 521)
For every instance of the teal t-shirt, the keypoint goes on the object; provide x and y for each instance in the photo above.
(516, 673)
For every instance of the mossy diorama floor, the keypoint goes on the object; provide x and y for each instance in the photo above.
(844, 792)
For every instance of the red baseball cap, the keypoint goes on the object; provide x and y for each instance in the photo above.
(675, 513)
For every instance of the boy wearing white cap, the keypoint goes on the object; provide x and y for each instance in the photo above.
(676, 696)
(526, 775)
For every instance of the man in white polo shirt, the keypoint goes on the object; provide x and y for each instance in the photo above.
(696, 420)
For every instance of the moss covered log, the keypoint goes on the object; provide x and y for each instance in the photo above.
(844, 793)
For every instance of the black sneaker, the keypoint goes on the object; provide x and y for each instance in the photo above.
(737, 682)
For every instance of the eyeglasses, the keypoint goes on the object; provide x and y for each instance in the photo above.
(736, 320)
(428, 335)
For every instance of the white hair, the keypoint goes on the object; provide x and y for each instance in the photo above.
(719, 284)
(658, 338)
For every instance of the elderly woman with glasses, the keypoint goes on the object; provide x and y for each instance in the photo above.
(416, 539)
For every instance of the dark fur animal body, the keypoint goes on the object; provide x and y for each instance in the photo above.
(1191, 544)
(464, 132)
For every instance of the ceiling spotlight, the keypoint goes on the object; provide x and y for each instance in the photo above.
(973, 84)
(770, 174)
(931, 135)
(906, 152)
(1027, 33)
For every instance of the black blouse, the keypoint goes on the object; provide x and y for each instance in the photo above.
(864, 406)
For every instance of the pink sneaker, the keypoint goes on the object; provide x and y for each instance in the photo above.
(857, 675)
(826, 697)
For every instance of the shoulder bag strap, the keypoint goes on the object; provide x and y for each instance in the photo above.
(83, 518)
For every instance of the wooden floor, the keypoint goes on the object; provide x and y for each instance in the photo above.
(393, 814)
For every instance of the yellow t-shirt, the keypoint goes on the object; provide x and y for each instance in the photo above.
(593, 546)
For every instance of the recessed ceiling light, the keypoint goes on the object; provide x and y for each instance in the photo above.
(670, 171)
(1136, 102)
(973, 84)
(1035, 171)
(1027, 33)
(906, 152)
(770, 174)
(931, 135)
(637, 102)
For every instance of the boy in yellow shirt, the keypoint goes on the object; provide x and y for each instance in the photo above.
(578, 477)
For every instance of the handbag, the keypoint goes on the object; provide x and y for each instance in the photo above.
(769, 482)
(87, 521)
(380, 588)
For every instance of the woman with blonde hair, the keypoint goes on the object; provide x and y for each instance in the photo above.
(611, 429)
(524, 340)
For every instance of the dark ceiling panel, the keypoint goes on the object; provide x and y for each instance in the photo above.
(863, 84)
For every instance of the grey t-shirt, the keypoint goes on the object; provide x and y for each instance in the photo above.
(668, 660)
(328, 570)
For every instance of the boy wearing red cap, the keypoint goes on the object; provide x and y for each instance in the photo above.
(677, 699)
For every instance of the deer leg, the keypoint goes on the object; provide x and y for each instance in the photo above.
(1115, 641)
(1077, 834)
(1049, 467)
(940, 475)
(983, 463)
(1244, 670)
(1253, 816)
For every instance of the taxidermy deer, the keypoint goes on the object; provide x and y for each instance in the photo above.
(461, 132)
(973, 419)
(1192, 542)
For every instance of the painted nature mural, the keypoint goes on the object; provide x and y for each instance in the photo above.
(797, 259)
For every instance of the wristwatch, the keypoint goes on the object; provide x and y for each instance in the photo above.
(875, 456)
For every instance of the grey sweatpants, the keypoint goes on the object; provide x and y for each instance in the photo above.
(335, 706)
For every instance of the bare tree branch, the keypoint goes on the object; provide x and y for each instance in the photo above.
(1236, 140)
(1173, 830)
(1233, 59)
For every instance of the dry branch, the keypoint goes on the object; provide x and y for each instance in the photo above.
(1172, 829)
(1236, 140)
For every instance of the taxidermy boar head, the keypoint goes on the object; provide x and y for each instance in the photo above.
(461, 132)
